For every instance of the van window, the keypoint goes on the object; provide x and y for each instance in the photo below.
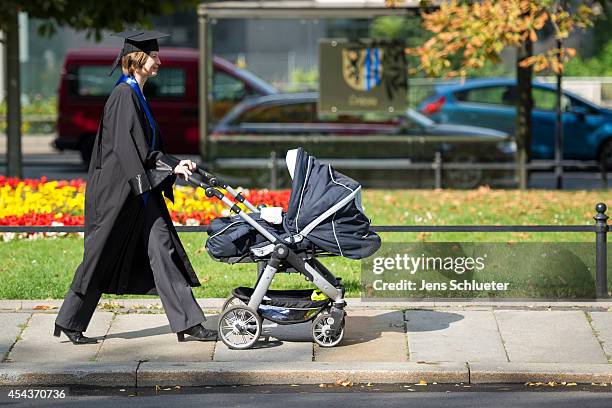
(93, 80)
(168, 83)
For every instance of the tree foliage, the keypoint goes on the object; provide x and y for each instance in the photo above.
(90, 15)
(479, 31)
(597, 65)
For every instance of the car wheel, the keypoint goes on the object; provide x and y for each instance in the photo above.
(86, 147)
(460, 178)
(605, 155)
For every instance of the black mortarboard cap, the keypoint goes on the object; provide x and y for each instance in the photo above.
(137, 40)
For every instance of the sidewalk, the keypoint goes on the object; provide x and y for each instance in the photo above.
(31, 144)
(452, 342)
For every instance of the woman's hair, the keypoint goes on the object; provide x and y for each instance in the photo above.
(133, 61)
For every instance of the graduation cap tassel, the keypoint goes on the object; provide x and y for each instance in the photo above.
(115, 63)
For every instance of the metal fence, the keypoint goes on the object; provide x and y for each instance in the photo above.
(437, 166)
(600, 228)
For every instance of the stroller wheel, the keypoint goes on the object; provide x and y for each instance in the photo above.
(231, 301)
(239, 327)
(322, 332)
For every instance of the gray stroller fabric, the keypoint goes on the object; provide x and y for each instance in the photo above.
(233, 237)
(316, 188)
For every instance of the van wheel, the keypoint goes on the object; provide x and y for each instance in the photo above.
(605, 155)
(86, 147)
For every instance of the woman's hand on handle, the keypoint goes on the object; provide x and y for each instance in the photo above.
(184, 169)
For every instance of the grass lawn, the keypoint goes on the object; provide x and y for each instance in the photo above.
(43, 269)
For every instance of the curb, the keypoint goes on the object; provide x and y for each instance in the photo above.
(53, 374)
(239, 373)
(149, 374)
(486, 373)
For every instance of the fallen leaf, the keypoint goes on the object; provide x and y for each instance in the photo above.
(44, 307)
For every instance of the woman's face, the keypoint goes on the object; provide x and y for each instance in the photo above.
(150, 67)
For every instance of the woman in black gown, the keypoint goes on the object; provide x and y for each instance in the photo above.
(131, 245)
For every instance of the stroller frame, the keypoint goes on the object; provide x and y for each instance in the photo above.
(328, 328)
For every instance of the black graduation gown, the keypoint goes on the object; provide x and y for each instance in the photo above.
(122, 168)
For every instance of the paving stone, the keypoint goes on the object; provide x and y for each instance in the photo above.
(370, 335)
(453, 336)
(278, 343)
(137, 336)
(10, 323)
(549, 337)
(39, 345)
(602, 323)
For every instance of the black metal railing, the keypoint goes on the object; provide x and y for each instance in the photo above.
(600, 228)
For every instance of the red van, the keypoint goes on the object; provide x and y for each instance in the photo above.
(173, 95)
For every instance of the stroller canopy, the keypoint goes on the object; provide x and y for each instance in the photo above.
(325, 208)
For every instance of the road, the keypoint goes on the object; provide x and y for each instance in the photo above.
(391, 395)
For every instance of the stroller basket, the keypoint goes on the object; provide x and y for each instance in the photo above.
(285, 306)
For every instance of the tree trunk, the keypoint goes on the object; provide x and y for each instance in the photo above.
(13, 95)
(524, 105)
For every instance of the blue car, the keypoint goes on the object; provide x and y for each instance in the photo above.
(491, 103)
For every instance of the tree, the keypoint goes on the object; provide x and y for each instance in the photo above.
(89, 15)
(478, 31)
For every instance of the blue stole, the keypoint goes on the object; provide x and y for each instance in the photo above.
(145, 106)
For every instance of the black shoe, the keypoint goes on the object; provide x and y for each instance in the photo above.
(198, 332)
(76, 337)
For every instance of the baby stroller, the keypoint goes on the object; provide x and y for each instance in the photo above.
(324, 218)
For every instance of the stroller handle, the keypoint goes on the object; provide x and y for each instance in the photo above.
(209, 178)
(212, 191)
(213, 181)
